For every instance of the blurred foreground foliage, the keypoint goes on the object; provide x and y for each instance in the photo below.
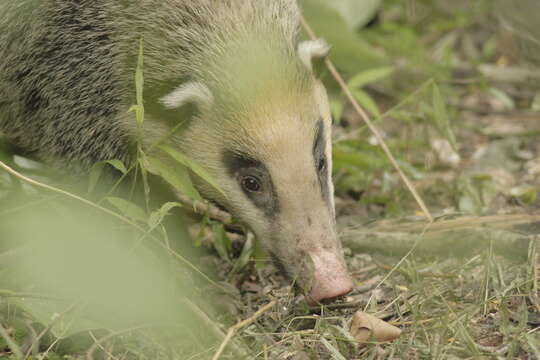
(71, 267)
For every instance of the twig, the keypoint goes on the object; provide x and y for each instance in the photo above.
(15, 349)
(208, 209)
(233, 329)
(370, 125)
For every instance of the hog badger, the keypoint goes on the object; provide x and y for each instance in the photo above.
(225, 81)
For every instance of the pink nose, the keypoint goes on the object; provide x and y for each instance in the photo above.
(330, 278)
(330, 291)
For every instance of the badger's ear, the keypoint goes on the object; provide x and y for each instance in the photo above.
(195, 93)
(312, 53)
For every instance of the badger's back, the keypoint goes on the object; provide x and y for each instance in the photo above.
(67, 66)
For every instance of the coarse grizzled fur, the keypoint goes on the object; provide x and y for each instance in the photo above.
(67, 66)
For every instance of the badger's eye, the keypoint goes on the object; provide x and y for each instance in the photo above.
(322, 164)
(251, 183)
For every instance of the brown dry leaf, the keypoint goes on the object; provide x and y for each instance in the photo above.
(365, 327)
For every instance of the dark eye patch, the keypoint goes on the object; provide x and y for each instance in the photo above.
(235, 161)
(242, 166)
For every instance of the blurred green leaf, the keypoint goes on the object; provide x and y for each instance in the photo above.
(361, 161)
(358, 155)
(411, 170)
(535, 105)
(442, 120)
(476, 193)
(370, 76)
(367, 102)
(503, 97)
(349, 51)
(97, 171)
(489, 48)
(336, 108)
(144, 176)
(528, 194)
(128, 209)
(357, 13)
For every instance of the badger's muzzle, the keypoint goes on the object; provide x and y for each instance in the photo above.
(330, 278)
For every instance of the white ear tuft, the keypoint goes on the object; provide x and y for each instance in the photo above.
(191, 92)
(312, 49)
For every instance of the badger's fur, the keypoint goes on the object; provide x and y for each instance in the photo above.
(261, 125)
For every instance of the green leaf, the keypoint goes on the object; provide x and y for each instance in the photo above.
(367, 102)
(144, 176)
(370, 76)
(362, 161)
(178, 176)
(118, 165)
(246, 254)
(222, 243)
(97, 171)
(139, 84)
(259, 255)
(157, 216)
(336, 108)
(192, 165)
(411, 170)
(128, 209)
(442, 120)
(526, 193)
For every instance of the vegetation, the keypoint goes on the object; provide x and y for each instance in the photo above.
(457, 101)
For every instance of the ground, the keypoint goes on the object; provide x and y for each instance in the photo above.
(456, 97)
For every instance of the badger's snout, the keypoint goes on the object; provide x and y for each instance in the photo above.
(330, 278)
(316, 264)
(310, 251)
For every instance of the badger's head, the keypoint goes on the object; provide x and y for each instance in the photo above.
(263, 132)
